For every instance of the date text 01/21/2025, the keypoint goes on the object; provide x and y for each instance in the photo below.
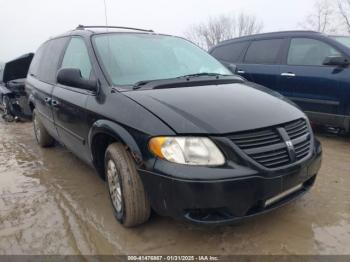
(173, 258)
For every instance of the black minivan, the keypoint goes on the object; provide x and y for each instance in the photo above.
(310, 68)
(169, 127)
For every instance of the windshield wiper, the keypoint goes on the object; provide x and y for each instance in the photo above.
(177, 81)
(141, 84)
(201, 74)
(145, 82)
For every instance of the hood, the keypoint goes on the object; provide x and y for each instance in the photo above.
(217, 109)
(17, 68)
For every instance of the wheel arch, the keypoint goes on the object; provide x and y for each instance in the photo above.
(105, 132)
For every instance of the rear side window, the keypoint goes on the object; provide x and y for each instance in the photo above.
(309, 52)
(77, 56)
(230, 52)
(264, 51)
(34, 66)
(46, 60)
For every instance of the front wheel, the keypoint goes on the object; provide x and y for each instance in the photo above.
(43, 138)
(127, 194)
(7, 114)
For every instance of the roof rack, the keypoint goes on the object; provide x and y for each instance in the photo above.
(82, 27)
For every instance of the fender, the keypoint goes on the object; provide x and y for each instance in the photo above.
(118, 132)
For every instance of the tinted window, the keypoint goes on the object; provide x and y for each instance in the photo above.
(1, 71)
(345, 40)
(34, 66)
(51, 58)
(230, 52)
(264, 51)
(77, 56)
(45, 62)
(305, 51)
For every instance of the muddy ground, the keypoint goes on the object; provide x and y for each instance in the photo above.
(52, 203)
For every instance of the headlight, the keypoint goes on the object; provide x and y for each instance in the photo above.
(187, 150)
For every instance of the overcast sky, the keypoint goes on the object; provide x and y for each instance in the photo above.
(25, 24)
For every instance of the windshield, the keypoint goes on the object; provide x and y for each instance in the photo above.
(131, 58)
(345, 40)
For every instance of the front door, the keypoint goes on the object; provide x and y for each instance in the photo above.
(42, 78)
(313, 86)
(69, 103)
(261, 63)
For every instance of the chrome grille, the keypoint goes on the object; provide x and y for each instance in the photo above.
(269, 148)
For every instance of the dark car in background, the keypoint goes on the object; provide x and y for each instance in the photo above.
(309, 68)
(13, 97)
(1, 71)
(169, 127)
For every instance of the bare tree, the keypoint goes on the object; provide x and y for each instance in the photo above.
(221, 28)
(247, 25)
(322, 18)
(344, 11)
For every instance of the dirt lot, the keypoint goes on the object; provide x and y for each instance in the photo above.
(52, 203)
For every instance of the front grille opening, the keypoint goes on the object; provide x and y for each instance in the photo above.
(209, 215)
(310, 182)
(272, 159)
(297, 129)
(256, 139)
(269, 149)
(302, 149)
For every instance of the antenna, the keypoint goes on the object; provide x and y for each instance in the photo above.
(106, 19)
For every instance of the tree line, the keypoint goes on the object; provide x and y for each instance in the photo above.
(327, 16)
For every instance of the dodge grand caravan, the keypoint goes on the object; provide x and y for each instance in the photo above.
(169, 127)
(309, 68)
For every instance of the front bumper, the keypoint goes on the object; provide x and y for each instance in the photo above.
(225, 200)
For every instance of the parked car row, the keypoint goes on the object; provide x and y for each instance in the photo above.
(169, 127)
(309, 68)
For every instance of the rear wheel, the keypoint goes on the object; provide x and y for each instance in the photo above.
(43, 138)
(127, 194)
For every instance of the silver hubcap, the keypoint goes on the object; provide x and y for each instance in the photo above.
(114, 186)
(36, 128)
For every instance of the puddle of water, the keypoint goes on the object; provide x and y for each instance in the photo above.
(333, 239)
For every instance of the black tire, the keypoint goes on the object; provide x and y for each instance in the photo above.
(8, 115)
(134, 207)
(43, 138)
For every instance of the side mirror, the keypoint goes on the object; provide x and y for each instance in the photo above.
(72, 77)
(232, 67)
(336, 61)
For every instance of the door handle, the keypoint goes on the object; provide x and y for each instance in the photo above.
(288, 74)
(240, 71)
(47, 100)
(55, 103)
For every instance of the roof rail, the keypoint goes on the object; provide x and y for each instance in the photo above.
(82, 27)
